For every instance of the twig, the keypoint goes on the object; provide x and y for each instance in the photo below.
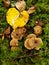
(22, 57)
(30, 55)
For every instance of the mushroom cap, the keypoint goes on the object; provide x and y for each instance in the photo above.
(37, 30)
(18, 33)
(14, 48)
(29, 44)
(38, 43)
(33, 43)
(14, 42)
(20, 5)
(31, 36)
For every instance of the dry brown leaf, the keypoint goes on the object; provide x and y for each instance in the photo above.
(39, 23)
(7, 31)
(6, 3)
(31, 10)
(3, 37)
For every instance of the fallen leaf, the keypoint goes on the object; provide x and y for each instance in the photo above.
(6, 3)
(3, 37)
(7, 31)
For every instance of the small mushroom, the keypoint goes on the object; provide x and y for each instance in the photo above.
(37, 30)
(18, 33)
(14, 42)
(20, 5)
(31, 10)
(31, 36)
(33, 43)
(14, 48)
(6, 3)
(29, 43)
(38, 43)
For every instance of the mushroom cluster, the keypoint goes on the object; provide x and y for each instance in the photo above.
(32, 42)
(16, 35)
(18, 18)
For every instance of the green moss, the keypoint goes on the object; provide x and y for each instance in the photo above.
(8, 57)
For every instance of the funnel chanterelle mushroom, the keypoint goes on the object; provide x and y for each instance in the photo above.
(37, 30)
(32, 42)
(29, 43)
(18, 33)
(14, 43)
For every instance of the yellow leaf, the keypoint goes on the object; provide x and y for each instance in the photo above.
(12, 15)
(3, 37)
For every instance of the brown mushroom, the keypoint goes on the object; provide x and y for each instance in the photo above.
(38, 43)
(31, 36)
(20, 5)
(18, 33)
(31, 10)
(37, 30)
(14, 42)
(33, 43)
(6, 3)
(29, 43)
